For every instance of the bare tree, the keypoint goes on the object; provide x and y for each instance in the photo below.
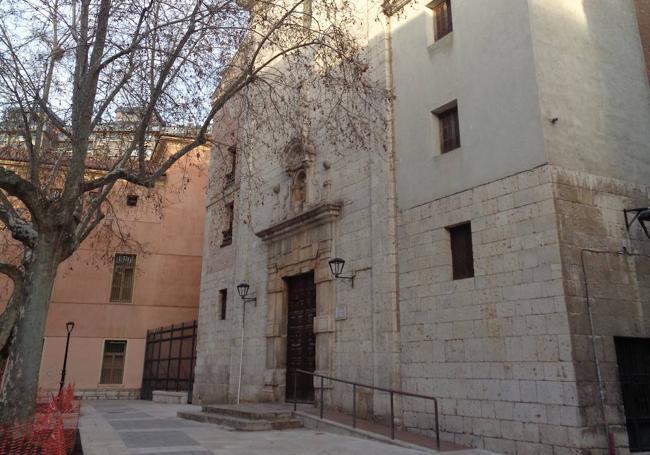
(66, 66)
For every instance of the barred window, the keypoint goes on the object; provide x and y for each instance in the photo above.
(113, 362)
(123, 273)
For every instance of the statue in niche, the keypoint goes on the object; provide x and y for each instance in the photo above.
(299, 190)
(298, 162)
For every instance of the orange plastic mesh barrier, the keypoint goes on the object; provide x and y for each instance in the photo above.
(52, 431)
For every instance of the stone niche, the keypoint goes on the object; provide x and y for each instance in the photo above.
(299, 244)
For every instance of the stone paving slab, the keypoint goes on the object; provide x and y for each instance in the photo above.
(147, 424)
(127, 415)
(150, 439)
(103, 433)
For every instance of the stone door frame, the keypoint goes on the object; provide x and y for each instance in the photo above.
(296, 255)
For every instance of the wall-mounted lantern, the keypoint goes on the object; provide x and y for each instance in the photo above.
(336, 267)
(641, 215)
(242, 290)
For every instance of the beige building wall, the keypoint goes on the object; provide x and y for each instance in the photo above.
(347, 213)
(554, 110)
(511, 351)
(165, 232)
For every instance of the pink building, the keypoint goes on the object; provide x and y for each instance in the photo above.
(114, 291)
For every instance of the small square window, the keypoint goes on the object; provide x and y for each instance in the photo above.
(132, 200)
(442, 22)
(449, 127)
(113, 362)
(223, 301)
(462, 255)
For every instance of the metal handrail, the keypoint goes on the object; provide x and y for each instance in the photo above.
(354, 385)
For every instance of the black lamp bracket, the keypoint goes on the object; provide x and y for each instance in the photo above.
(641, 215)
(347, 278)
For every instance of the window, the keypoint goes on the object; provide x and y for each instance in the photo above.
(223, 299)
(132, 200)
(229, 214)
(113, 362)
(123, 271)
(462, 256)
(230, 176)
(441, 18)
(449, 127)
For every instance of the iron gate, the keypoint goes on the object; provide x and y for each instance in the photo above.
(169, 359)
(633, 355)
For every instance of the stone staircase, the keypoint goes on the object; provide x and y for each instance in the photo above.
(246, 417)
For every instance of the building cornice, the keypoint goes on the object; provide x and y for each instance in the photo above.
(318, 215)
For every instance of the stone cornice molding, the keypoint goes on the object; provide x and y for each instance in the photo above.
(318, 215)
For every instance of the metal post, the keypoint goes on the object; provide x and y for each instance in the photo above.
(169, 356)
(295, 390)
(69, 327)
(354, 405)
(435, 407)
(180, 356)
(322, 403)
(241, 349)
(392, 417)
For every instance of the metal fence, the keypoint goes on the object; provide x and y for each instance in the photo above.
(169, 359)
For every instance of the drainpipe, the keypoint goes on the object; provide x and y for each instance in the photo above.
(611, 440)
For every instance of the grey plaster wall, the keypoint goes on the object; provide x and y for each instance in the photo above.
(591, 75)
(486, 64)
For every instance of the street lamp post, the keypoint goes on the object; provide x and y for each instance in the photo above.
(242, 290)
(68, 326)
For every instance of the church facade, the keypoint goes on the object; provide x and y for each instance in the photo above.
(491, 230)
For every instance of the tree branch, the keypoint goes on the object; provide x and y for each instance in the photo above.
(26, 191)
(21, 230)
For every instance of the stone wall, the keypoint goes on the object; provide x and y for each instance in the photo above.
(496, 348)
(510, 352)
(107, 394)
(356, 326)
(602, 261)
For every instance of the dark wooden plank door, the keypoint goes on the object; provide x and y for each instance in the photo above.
(301, 340)
(633, 355)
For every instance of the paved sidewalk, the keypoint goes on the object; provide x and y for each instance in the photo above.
(143, 427)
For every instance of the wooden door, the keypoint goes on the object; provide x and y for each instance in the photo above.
(633, 355)
(301, 340)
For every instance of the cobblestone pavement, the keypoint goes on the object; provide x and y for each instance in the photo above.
(143, 427)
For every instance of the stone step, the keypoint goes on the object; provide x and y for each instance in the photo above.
(250, 412)
(241, 424)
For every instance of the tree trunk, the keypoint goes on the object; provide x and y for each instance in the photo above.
(20, 379)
